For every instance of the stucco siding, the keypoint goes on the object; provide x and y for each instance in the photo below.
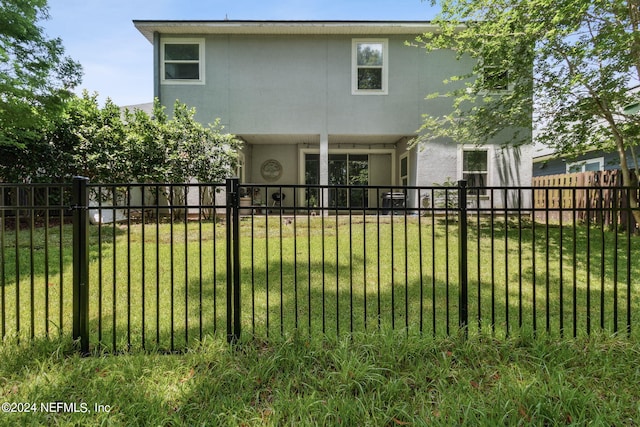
(439, 163)
(276, 84)
(287, 156)
(508, 171)
(436, 163)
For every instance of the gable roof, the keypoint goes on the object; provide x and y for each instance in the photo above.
(147, 28)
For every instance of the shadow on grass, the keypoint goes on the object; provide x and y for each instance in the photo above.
(281, 300)
(359, 277)
(570, 280)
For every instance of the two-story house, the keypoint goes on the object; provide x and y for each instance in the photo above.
(324, 102)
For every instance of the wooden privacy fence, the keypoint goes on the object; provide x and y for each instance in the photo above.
(595, 196)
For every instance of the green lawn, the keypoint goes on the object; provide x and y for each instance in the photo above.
(375, 379)
(164, 285)
(385, 281)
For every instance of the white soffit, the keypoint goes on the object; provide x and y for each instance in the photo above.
(365, 139)
(280, 139)
(147, 28)
(314, 140)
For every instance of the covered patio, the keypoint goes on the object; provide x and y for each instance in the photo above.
(343, 161)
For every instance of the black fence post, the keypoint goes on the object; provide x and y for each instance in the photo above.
(81, 262)
(463, 306)
(233, 260)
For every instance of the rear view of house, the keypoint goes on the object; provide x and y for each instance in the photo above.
(325, 102)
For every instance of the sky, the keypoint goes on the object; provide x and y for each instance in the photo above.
(118, 61)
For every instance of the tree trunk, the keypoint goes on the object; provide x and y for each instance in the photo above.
(628, 180)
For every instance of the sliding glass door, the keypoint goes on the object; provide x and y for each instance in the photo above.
(345, 170)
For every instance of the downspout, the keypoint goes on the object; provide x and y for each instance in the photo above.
(156, 65)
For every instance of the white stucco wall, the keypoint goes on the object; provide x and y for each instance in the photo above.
(287, 156)
(301, 84)
(438, 162)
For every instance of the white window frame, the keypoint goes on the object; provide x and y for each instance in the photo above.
(241, 167)
(489, 150)
(201, 61)
(355, 67)
(404, 156)
(583, 163)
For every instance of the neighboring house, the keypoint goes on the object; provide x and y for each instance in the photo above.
(547, 162)
(325, 102)
(147, 107)
(595, 160)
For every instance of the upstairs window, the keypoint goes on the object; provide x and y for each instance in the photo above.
(495, 79)
(182, 61)
(370, 64)
(495, 76)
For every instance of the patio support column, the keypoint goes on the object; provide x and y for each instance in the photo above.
(324, 169)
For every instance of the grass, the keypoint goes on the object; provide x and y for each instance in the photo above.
(372, 300)
(364, 379)
(163, 285)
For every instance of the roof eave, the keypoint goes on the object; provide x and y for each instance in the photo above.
(149, 27)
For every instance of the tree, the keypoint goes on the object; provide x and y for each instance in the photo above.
(35, 77)
(178, 149)
(579, 59)
(98, 148)
(109, 145)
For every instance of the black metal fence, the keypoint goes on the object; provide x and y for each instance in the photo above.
(159, 266)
